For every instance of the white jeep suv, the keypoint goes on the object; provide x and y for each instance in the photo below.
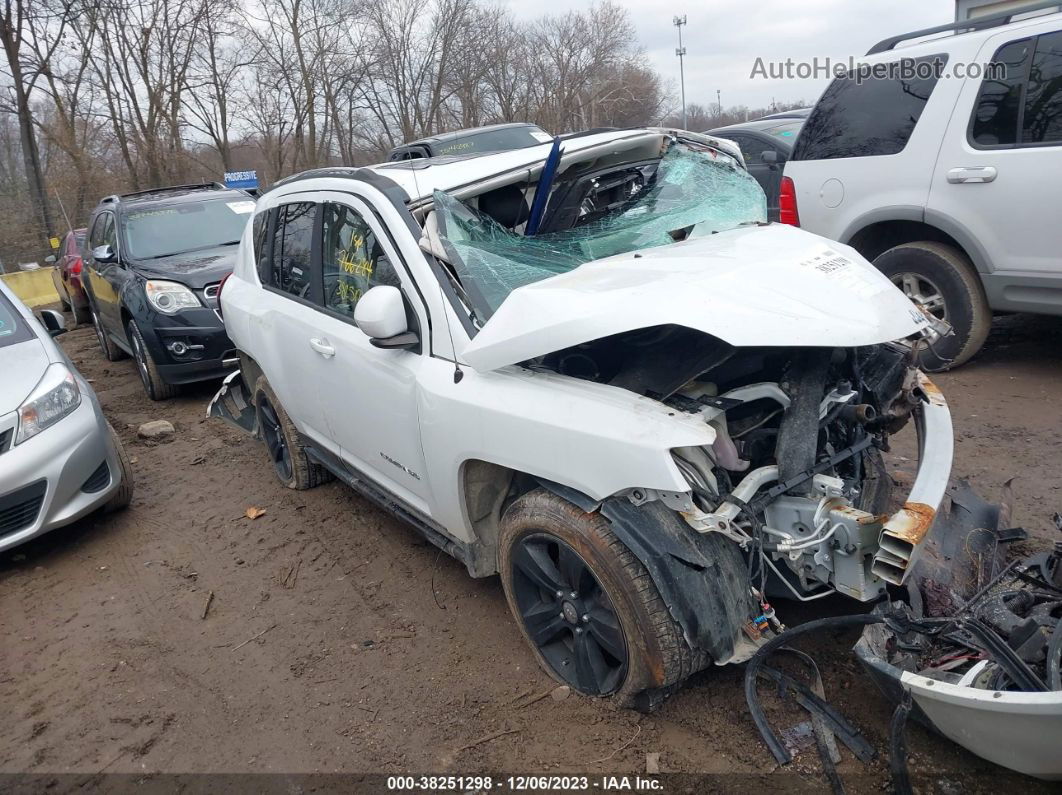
(593, 368)
(950, 184)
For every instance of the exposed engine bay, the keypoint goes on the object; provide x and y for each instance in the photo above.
(795, 475)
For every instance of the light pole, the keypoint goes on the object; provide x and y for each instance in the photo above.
(719, 103)
(680, 52)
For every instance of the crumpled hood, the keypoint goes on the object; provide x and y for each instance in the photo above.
(195, 269)
(23, 366)
(753, 286)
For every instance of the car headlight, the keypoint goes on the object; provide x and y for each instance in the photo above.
(170, 297)
(55, 396)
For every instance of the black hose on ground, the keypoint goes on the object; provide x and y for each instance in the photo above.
(901, 779)
(756, 662)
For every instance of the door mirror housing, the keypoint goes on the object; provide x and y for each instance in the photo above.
(381, 314)
(54, 322)
(104, 255)
(770, 157)
(50, 259)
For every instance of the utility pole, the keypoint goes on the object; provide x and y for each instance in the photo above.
(681, 52)
(719, 103)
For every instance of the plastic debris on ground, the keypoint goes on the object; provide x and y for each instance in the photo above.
(973, 653)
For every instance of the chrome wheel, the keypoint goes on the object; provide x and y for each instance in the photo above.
(922, 291)
(568, 615)
(273, 436)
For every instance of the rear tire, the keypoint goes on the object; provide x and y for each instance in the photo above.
(565, 573)
(111, 352)
(946, 277)
(291, 464)
(81, 315)
(124, 495)
(154, 384)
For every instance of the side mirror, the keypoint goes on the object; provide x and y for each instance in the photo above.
(381, 314)
(50, 259)
(104, 254)
(54, 322)
(770, 157)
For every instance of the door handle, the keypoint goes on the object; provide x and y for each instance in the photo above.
(322, 347)
(974, 174)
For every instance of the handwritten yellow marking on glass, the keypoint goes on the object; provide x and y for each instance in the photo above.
(355, 267)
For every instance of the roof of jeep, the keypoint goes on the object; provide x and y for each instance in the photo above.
(468, 131)
(421, 177)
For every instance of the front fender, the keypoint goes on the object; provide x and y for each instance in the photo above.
(597, 439)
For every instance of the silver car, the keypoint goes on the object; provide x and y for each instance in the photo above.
(59, 459)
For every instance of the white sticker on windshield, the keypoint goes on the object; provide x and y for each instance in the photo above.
(241, 207)
(541, 136)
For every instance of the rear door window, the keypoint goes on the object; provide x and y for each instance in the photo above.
(1042, 115)
(291, 268)
(870, 112)
(1024, 106)
(260, 239)
(999, 103)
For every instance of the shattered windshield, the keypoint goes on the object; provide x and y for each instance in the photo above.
(689, 194)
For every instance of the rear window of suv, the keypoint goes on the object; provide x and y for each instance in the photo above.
(867, 114)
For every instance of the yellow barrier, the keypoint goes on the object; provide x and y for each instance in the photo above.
(34, 288)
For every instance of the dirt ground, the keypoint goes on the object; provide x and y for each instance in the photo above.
(339, 641)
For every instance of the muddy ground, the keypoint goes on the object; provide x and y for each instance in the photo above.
(338, 640)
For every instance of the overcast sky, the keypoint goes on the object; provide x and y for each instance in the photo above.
(723, 38)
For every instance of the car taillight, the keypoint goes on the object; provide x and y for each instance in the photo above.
(75, 267)
(787, 203)
(221, 285)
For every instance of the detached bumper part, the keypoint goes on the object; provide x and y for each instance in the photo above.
(234, 403)
(905, 530)
(962, 557)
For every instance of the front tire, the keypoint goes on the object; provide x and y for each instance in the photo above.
(586, 605)
(121, 498)
(942, 278)
(290, 462)
(154, 385)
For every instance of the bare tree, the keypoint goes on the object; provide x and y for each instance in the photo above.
(16, 21)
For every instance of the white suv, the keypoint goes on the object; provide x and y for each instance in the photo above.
(950, 186)
(597, 371)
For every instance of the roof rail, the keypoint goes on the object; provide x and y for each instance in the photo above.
(965, 26)
(169, 188)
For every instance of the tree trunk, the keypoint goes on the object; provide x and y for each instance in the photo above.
(31, 159)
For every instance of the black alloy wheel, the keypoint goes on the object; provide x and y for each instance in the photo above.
(568, 615)
(273, 436)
